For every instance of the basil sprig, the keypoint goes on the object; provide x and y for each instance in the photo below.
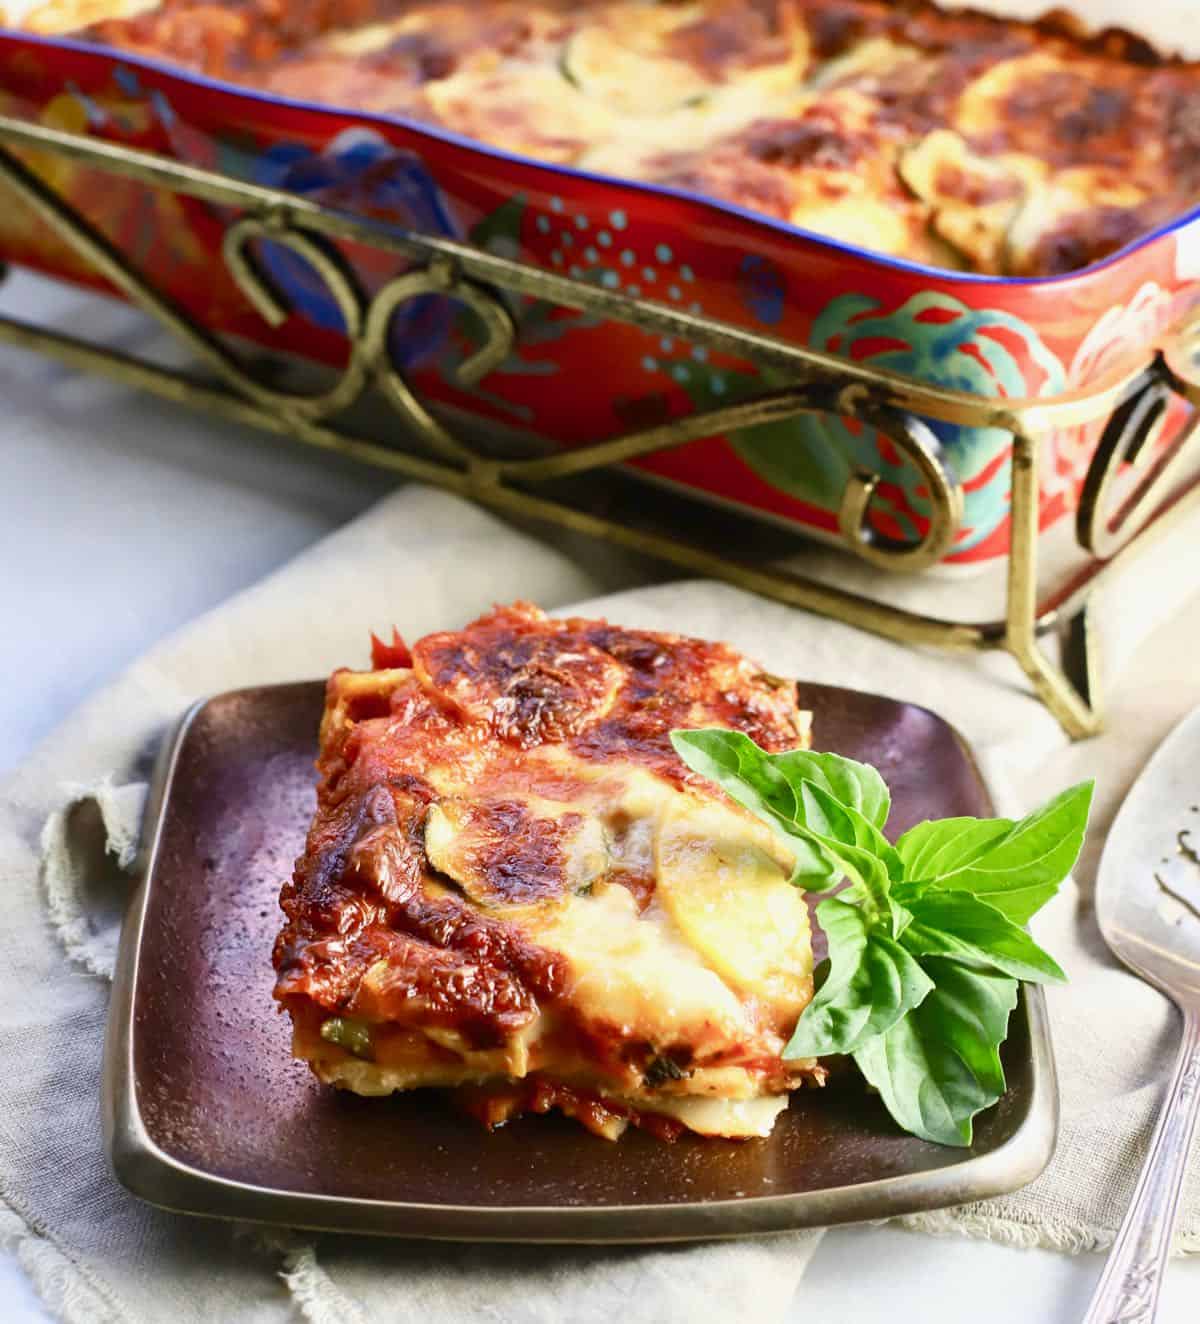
(926, 944)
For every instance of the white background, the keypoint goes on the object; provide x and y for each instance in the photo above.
(122, 518)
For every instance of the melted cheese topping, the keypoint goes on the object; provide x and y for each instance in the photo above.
(638, 974)
(957, 139)
(511, 877)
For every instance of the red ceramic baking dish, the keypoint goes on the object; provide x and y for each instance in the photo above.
(572, 378)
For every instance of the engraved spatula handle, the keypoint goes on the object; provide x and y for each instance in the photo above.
(1127, 1292)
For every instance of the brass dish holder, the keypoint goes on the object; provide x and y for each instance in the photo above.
(1111, 523)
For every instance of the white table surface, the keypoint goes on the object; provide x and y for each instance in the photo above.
(125, 518)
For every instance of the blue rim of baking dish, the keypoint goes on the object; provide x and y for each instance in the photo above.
(782, 228)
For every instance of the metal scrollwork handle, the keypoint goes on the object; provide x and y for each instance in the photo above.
(1128, 1289)
(915, 440)
(1129, 438)
(500, 333)
(237, 247)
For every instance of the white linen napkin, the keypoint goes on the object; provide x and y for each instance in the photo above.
(425, 560)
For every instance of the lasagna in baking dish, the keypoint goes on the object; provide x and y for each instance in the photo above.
(956, 139)
(513, 888)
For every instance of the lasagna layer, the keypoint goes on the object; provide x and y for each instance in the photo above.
(957, 139)
(513, 888)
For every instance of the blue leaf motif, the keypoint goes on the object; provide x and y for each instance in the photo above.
(360, 171)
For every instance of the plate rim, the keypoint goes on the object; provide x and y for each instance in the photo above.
(152, 1174)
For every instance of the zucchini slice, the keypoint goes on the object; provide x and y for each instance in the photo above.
(626, 80)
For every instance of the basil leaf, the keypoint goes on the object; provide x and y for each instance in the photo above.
(899, 915)
(963, 927)
(906, 893)
(872, 983)
(856, 785)
(1017, 871)
(771, 786)
(928, 1089)
(940, 1065)
(969, 1012)
(749, 775)
(869, 881)
(739, 767)
(862, 864)
(1023, 871)
(939, 847)
(831, 818)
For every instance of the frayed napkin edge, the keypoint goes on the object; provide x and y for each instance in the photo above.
(318, 1298)
(1060, 1237)
(66, 1290)
(121, 811)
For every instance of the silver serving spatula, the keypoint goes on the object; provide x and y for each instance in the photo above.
(1148, 906)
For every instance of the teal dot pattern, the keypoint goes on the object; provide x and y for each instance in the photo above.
(604, 247)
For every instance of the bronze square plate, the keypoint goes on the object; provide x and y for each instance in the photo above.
(206, 1112)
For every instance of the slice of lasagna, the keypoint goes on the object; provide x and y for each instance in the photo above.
(513, 888)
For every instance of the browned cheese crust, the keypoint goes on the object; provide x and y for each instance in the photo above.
(957, 139)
